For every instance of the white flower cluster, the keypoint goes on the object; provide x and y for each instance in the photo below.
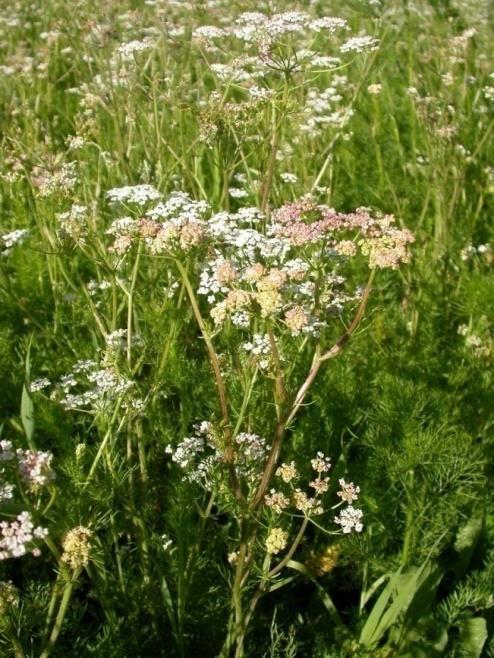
(103, 385)
(483, 250)
(6, 491)
(39, 384)
(350, 519)
(200, 456)
(9, 240)
(326, 108)
(129, 49)
(359, 44)
(260, 349)
(190, 454)
(253, 447)
(17, 537)
(256, 27)
(137, 194)
(73, 223)
(62, 178)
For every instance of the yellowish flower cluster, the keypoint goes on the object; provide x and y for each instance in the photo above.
(77, 547)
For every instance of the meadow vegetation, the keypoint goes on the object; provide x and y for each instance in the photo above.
(246, 328)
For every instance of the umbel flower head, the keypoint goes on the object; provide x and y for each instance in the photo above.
(276, 541)
(77, 547)
(9, 597)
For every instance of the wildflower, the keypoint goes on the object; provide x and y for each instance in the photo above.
(6, 451)
(320, 485)
(350, 519)
(128, 50)
(349, 492)
(253, 446)
(296, 319)
(276, 500)
(324, 562)
(80, 451)
(116, 339)
(232, 558)
(287, 177)
(305, 504)
(73, 223)
(287, 472)
(166, 542)
(237, 193)
(276, 541)
(6, 491)
(77, 547)
(320, 463)
(9, 597)
(225, 272)
(17, 537)
(269, 302)
(138, 194)
(374, 89)
(359, 44)
(35, 468)
(387, 250)
(39, 384)
(346, 248)
(75, 142)
(14, 237)
(259, 349)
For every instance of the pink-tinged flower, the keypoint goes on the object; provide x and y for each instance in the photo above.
(35, 467)
(276, 500)
(349, 492)
(320, 463)
(296, 319)
(17, 537)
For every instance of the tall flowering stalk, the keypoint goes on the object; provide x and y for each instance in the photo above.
(267, 294)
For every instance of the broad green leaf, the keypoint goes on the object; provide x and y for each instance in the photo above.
(473, 635)
(377, 611)
(27, 415)
(466, 541)
(27, 407)
(169, 607)
(281, 583)
(408, 585)
(369, 593)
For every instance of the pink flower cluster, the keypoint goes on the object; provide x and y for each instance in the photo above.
(305, 222)
(17, 537)
(35, 467)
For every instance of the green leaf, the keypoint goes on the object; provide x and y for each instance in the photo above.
(467, 539)
(27, 415)
(369, 629)
(473, 635)
(402, 588)
(27, 407)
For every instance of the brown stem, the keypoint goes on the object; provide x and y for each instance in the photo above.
(281, 426)
(281, 394)
(222, 395)
(343, 340)
(292, 411)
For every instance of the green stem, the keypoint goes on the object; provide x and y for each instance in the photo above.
(62, 611)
